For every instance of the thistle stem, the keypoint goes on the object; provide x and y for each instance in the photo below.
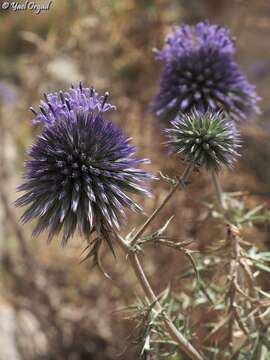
(181, 182)
(234, 272)
(184, 345)
(218, 190)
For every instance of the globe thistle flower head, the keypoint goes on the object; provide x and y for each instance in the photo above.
(205, 139)
(200, 72)
(63, 103)
(80, 174)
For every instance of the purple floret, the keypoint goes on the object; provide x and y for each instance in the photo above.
(64, 103)
(200, 73)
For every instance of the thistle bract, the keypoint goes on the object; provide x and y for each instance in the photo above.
(200, 72)
(81, 171)
(205, 139)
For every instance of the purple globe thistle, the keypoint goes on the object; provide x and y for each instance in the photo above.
(207, 139)
(200, 72)
(81, 169)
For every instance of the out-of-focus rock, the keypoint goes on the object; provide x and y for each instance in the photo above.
(8, 333)
(31, 340)
(20, 335)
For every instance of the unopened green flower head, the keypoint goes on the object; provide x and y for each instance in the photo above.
(205, 139)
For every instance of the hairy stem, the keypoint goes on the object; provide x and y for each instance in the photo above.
(184, 345)
(218, 190)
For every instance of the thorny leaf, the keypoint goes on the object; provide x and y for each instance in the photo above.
(147, 324)
(157, 234)
(93, 249)
(262, 267)
(247, 217)
(158, 237)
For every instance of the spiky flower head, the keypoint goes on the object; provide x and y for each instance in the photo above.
(207, 139)
(200, 72)
(81, 170)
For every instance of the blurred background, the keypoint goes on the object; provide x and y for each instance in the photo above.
(51, 306)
